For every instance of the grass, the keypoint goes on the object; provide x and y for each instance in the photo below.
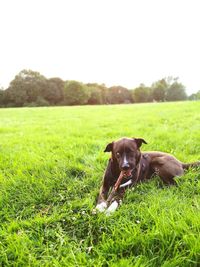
(51, 166)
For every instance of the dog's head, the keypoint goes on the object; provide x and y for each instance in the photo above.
(126, 152)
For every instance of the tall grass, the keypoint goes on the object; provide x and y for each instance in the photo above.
(51, 166)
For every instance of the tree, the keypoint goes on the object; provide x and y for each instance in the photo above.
(195, 96)
(118, 95)
(15, 97)
(142, 94)
(99, 94)
(26, 87)
(54, 91)
(159, 89)
(1, 97)
(176, 92)
(104, 93)
(198, 95)
(96, 96)
(76, 93)
(168, 89)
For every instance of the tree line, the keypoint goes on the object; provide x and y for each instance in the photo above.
(30, 88)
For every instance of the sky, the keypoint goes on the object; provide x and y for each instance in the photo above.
(115, 42)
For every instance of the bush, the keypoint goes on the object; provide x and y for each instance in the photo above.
(40, 102)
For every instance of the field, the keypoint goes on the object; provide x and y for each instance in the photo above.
(51, 166)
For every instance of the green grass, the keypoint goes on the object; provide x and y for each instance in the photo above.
(51, 166)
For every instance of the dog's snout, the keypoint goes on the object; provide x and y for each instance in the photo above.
(125, 166)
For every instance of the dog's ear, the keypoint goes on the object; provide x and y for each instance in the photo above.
(139, 141)
(109, 147)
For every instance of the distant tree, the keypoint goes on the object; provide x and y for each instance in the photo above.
(15, 97)
(168, 89)
(159, 90)
(99, 94)
(96, 94)
(176, 92)
(76, 93)
(118, 95)
(195, 96)
(53, 92)
(192, 97)
(198, 95)
(142, 94)
(104, 93)
(26, 87)
(1, 97)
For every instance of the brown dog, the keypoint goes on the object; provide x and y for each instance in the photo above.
(128, 166)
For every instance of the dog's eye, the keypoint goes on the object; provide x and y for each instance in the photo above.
(118, 154)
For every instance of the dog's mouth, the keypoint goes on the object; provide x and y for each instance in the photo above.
(123, 174)
(126, 173)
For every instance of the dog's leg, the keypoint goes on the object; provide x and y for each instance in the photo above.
(168, 180)
(108, 181)
(115, 198)
(101, 202)
(168, 171)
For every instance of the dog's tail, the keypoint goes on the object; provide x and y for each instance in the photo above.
(186, 166)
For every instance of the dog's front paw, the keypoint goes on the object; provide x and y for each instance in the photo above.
(101, 207)
(112, 208)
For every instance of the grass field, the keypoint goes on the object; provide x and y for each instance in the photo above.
(51, 166)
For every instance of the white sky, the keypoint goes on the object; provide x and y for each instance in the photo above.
(116, 42)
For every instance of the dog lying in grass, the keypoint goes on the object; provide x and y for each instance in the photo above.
(128, 166)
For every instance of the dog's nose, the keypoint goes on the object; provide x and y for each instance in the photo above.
(125, 167)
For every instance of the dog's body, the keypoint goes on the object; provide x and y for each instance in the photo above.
(126, 157)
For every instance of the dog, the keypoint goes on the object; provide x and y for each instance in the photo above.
(129, 166)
